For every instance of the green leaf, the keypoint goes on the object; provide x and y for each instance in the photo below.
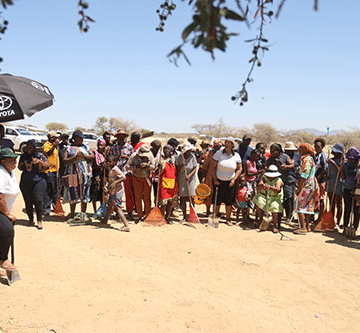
(89, 19)
(189, 29)
(198, 41)
(230, 15)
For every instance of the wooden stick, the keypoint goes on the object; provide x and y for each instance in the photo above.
(337, 178)
(157, 193)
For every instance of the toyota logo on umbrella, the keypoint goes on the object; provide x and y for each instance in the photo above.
(5, 102)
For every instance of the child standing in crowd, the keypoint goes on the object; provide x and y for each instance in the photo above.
(251, 172)
(243, 197)
(113, 187)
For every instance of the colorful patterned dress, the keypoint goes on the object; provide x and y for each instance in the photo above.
(308, 199)
(275, 200)
(77, 178)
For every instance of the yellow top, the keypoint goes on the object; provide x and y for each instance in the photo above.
(53, 158)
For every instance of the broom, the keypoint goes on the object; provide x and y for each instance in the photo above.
(58, 208)
(193, 218)
(155, 218)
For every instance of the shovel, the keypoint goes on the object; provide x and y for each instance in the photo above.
(213, 221)
(14, 275)
(266, 218)
(350, 231)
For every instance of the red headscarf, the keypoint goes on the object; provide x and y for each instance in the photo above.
(308, 150)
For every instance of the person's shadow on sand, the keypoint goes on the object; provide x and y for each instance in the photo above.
(340, 239)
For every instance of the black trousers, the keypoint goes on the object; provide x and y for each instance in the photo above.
(33, 194)
(51, 192)
(6, 236)
(348, 201)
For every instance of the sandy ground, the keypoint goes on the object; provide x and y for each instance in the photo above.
(179, 279)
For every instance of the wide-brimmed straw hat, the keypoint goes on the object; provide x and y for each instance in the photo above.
(144, 151)
(289, 146)
(121, 132)
(7, 152)
(337, 148)
(230, 138)
(272, 172)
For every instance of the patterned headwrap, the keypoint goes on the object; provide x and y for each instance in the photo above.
(353, 154)
(99, 158)
(217, 142)
(308, 150)
(102, 141)
(171, 148)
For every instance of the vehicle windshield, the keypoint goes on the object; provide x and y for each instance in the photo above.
(23, 131)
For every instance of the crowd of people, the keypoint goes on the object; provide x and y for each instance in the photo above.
(246, 180)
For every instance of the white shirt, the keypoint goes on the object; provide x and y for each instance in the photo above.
(227, 165)
(9, 187)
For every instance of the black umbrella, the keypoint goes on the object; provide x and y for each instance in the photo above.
(20, 96)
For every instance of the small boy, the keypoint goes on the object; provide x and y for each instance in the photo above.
(243, 196)
(113, 186)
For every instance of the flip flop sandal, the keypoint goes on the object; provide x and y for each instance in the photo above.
(126, 229)
(300, 232)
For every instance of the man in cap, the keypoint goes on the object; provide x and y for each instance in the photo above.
(245, 148)
(50, 150)
(123, 150)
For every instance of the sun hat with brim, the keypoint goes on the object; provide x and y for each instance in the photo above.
(52, 134)
(272, 172)
(121, 132)
(337, 148)
(230, 138)
(187, 147)
(144, 151)
(289, 146)
(7, 153)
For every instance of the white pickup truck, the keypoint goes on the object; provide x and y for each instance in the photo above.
(20, 136)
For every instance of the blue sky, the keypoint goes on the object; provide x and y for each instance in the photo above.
(309, 78)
